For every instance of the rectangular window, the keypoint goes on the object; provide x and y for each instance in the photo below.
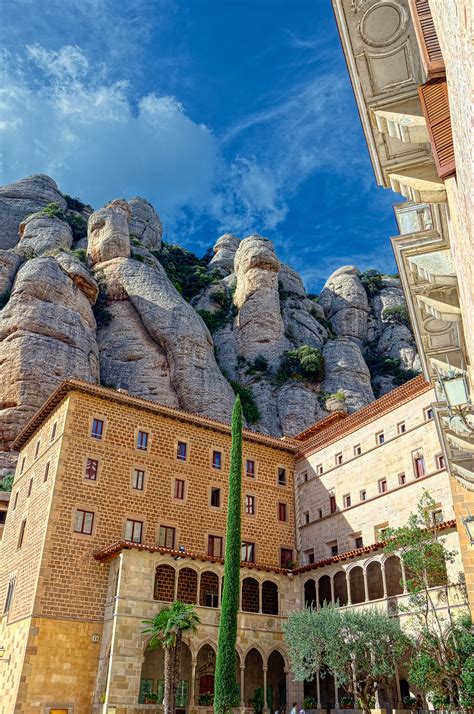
(320, 512)
(428, 414)
(9, 597)
(401, 479)
(214, 546)
(15, 500)
(46, 472)
(179, 488)
(138, 481)
(334, 550)
(319, 470)
(211, 599)
(383, 485)
(419, 463)
(21, 535)
(182, 451)
(338, 459)
(30, 488)
(281, 476)
(363, 495)
(216, 459)
(306, 517)
(332, 504)
(440, 462)
(286, 557)
(309, 556)
(97, 428)
(346, 500)
(133, 531)
(215, 497)
(23, 464)
(437, 516)
(92, 466)
(282, 512)
(83, 522)
(357, 450)
(359, 543)
(37, 448)
(167, 537)
(304, 477)
(142, 440)
(401, 427)
(248, 552)
(250, 505)
(250, 468)
(380, 437)
(53, 430)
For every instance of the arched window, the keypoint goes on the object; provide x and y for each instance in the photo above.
(374, 581)
(356, 581)
(340, 588)
(250, 595)
(187, 585)
(393, 576)
(269, 598)
(310, 593)
(164, 583)
(324, 589)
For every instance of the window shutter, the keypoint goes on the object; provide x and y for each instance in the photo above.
(428, 42)
(435, 105)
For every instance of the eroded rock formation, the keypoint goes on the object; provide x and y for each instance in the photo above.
(104, 309)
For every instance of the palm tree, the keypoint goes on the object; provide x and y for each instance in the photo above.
(166, 630)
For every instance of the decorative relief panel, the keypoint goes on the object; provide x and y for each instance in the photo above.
(390, 70)
(383, 24)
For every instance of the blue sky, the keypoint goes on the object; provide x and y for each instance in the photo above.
(228, 115)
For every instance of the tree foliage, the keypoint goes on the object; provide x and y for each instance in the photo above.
(6, 483)
(444, 643)
(226, 662)
(250, 409)
(372, 280)
(397, 315)
(76, 221)
(359, 648)
(188, 273)
(166, 630)
(304, 363)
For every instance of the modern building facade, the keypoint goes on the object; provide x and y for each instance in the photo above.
(118, 507)
(410, 63)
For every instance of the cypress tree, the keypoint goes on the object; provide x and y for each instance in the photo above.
(225, 689)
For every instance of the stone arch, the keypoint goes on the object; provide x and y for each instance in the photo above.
(209, 589)
(310, 593)
(205, 670)
(276, 680)
(269, 597)
(153, 669)
(250, 595)
(393, 575)
(165, 576)
(324, 590)
(187, 585)
(356, 583)
(254, 660)
(374, 580)
(340, 588)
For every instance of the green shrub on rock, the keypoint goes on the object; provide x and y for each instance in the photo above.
(397, 315)
(304, 363)
(372, 280)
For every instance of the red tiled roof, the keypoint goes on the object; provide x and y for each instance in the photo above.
(320, 425)
(405, 393)
(110, 551)
(359, 551)
(72, 385)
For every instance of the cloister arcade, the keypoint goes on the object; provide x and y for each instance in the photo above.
(374, 579)
(255, 669)
(204, 588)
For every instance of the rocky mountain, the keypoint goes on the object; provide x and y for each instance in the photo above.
(98, 296)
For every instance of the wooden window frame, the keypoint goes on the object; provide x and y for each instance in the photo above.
(166, 531)
(284, 563)
(212, 540)
(96, 461)
(282, 472)
(216, 463)
(215, 490)
(179, 455)
(250, 504)
(250, 474)
(85, 513)
(283, 509)
(143, 440)
(138, 476)
(179, 487)
(98, 435)
(246, 547)
(135, 524)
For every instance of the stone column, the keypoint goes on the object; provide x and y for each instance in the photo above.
(193, 682)
(384, 581)
(259, 597)
(198, 594)
(348, 585)
(219, 590)
(176, 578)
(331, 577)
(366, 589)
(399, 691)
(242, 686)
(240, 596)
(404, 577)
(316, 590)
(265, 703)
(318, 691)
(336, 694)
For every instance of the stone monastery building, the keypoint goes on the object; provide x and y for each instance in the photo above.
(119, 506)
